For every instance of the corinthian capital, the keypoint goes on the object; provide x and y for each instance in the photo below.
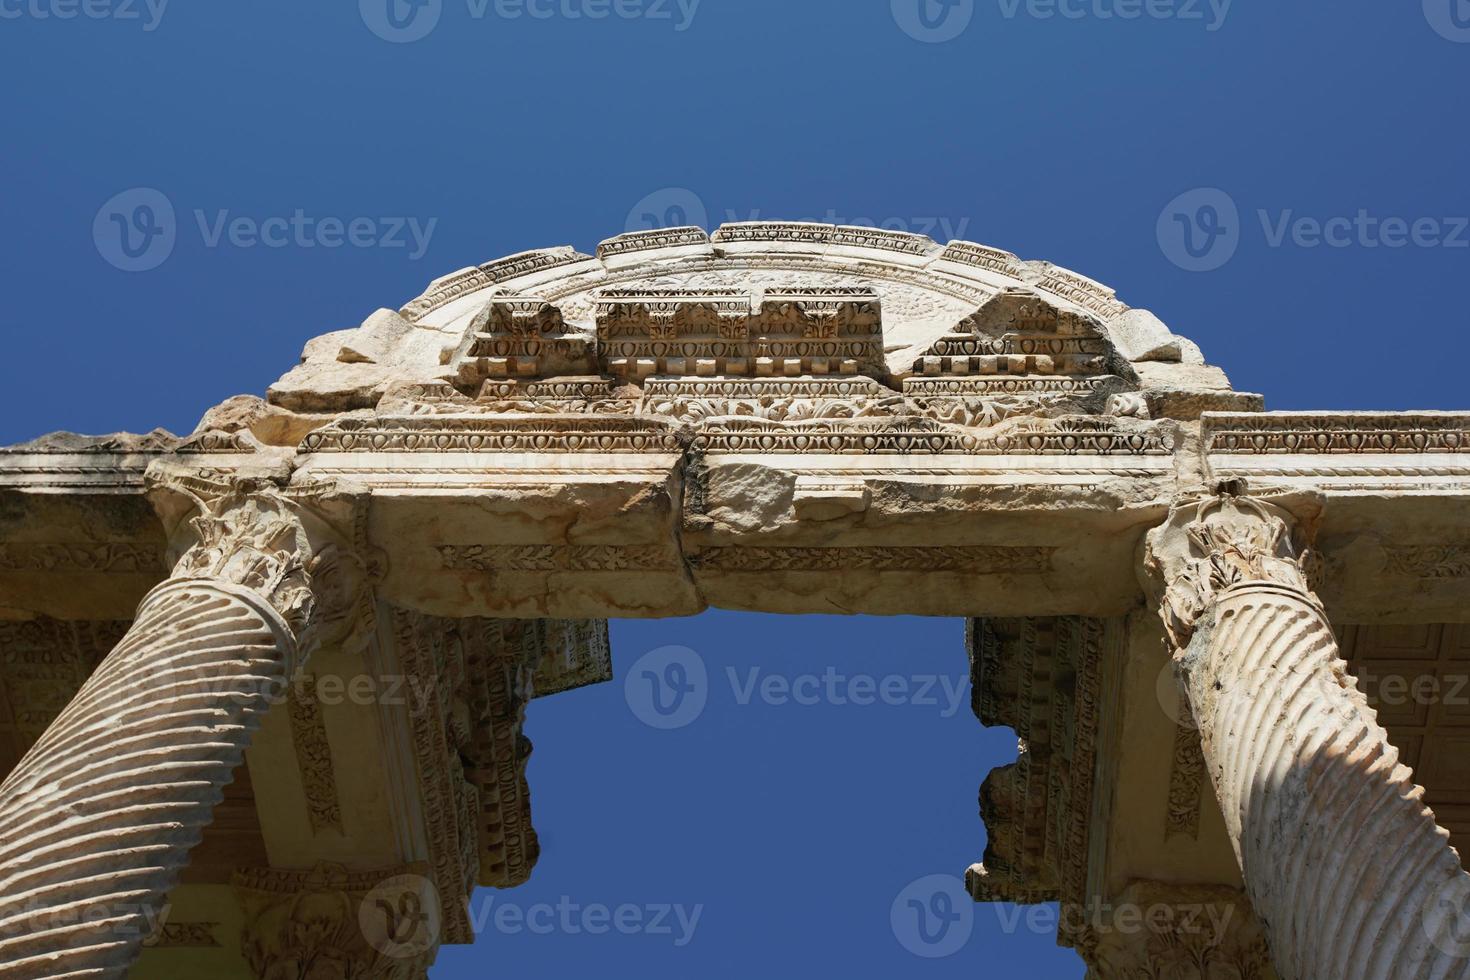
(301, 551)
(1217, 543)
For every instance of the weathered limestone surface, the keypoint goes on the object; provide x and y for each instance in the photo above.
(101, 813)
(1306, 776)
(452, 499)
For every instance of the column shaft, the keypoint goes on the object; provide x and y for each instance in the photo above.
(97, 820)
(101, 814)
(1341, 858)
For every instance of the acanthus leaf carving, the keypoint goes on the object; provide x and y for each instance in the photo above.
(302, 550)
(1227, 541)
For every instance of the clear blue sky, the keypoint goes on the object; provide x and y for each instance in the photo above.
(1069, 137)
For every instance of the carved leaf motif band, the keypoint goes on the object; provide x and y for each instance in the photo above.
(80, 558)
(976, 559)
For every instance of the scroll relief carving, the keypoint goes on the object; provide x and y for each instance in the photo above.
(1186, 785)
(314, 755)
(1440, 561)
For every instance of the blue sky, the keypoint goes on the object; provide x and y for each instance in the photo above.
(1283, 183)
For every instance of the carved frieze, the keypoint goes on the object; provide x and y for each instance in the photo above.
(918, 436)
(314, 755)
(1174, 931)
(1081, 290)
(329, 921)
(983, 257)
(794, 332)
(655, 238)
(466, 281)
(557, 558)
(1042, 678)
(1336, 433)
(521, 337)
(560, 434)
(110, 558)
(432, 650)
(774, 232)
(468, 741)
(1186, 784)
(1104, 384)
(1437, 561)
(981, 559)
(1018, 333)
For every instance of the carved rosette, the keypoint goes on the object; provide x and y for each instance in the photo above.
(1342, 860)
(99, 817)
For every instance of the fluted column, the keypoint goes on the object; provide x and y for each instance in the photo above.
(97, 820)
(1341, 858)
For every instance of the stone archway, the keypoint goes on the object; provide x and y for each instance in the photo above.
(779, 417)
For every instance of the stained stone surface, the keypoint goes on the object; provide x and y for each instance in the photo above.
(780, 417)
